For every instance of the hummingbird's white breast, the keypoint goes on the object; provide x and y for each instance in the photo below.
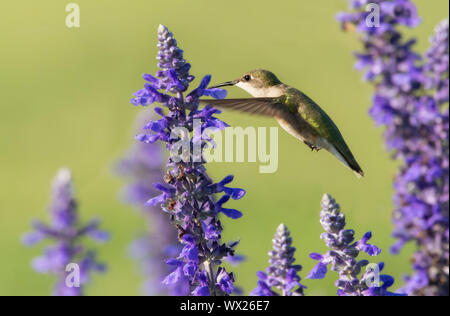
(261, 92)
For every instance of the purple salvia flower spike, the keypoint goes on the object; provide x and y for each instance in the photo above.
(430, 227)
(343, 253)
(282, 274)
(188, 196)
(411, 93)
(66, 231)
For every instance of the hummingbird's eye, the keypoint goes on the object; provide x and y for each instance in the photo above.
(247, 77)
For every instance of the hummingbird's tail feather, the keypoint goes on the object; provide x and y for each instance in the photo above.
(348, 160)
(359, 174)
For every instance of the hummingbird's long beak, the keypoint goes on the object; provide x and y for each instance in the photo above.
(225, 84)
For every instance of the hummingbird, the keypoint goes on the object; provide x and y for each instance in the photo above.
(296, 113)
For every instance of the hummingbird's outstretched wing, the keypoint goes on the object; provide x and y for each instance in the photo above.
(261, 106)
(313, 117)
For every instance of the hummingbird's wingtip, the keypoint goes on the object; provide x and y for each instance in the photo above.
(359, 174)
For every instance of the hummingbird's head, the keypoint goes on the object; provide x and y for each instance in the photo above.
(254, 82)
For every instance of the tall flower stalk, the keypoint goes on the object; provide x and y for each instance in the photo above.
(431, 261)
(343, 254)
(66, 233)
(188, 195)
(282, 274)
(410, 93)
(142, 165)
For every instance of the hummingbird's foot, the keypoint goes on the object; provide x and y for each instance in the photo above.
(313, 147)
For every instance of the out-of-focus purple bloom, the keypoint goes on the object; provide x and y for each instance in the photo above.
(437, 59)
(424, 217)
(142, 165)
(188, 195)
(66, 231)
(282, 274)
(342, 256)
(410, 93)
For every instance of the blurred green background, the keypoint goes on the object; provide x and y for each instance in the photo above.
(65, 102)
